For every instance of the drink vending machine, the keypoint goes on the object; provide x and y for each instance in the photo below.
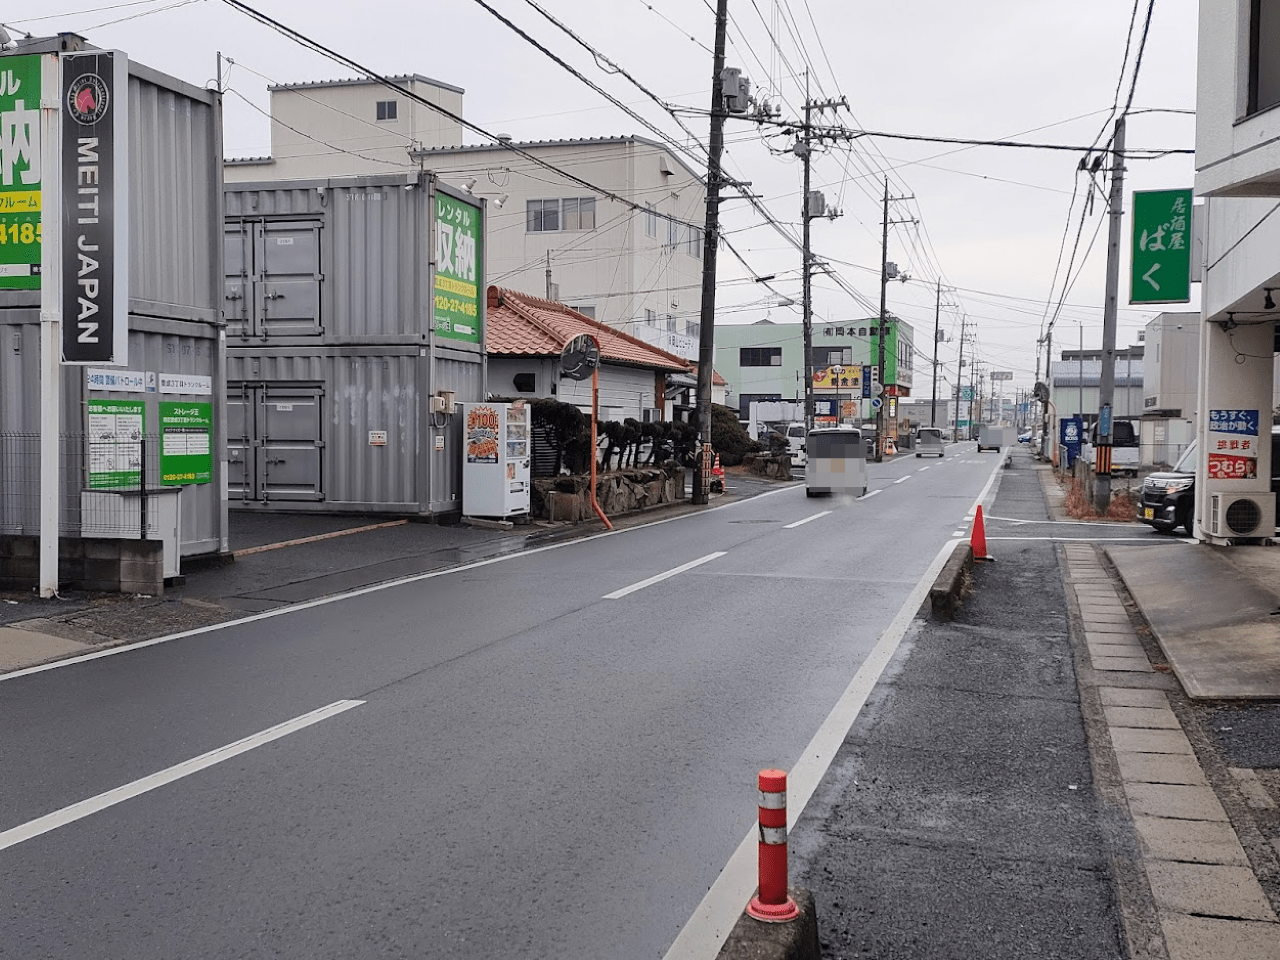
(496, 457)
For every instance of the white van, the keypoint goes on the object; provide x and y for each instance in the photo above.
(837, 462)
(929, 440)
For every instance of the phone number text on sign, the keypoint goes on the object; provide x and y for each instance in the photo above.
(1225, 466)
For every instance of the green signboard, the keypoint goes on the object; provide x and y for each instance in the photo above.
(455, 311)
(186, 447)
(1161, 247)
(116, 431)
(20, 229)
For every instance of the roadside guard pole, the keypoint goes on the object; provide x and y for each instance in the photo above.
(595, 416)
(50, 317)
(771, 903)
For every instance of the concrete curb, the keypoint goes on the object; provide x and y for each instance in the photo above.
(752, 939)
(954, 583)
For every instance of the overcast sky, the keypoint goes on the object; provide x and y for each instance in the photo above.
(991, 220)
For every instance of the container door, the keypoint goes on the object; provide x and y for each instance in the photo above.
(288, 292)
(516, 455)
(242, 441)
(238, 281)
(291, 442)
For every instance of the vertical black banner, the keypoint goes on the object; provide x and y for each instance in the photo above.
(89, 307)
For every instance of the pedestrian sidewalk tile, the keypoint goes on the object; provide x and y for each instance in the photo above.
(1133, 697)
(1217, 890)
(1148, 717)
(23, 648)
(1125, 628)
(1175, 801)
(1150, 741)
(1122, 664)
(1159, 768)
(1206, 938)
(1199, 841)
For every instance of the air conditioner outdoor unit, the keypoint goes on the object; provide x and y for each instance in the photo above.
(1242, 515)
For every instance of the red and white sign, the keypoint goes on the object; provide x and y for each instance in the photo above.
(1228, 466)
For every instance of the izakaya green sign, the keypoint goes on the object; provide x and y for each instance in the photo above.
(116, 433)
(186, 449)
(1161, 247)
(456, 308)
(20, 171)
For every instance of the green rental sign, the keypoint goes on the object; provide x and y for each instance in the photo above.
(455, 310)
(20, 228)
(1161, 247)
(116, 432)
(186, 447)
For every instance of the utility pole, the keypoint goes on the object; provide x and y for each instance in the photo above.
(959, 380)
(711, 242)
(937, 320)
(812, 204)
(1107, 384)
(884, 316)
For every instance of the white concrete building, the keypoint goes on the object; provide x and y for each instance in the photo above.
(1238, 172)
(548, 235)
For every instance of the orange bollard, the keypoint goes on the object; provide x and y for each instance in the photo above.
(772, 902)
(978, 539)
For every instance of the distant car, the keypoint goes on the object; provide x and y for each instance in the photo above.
(1024, 437)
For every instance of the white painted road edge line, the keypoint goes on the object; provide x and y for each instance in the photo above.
(85, 808)
(663, 576)
(363, 591)
(713, 920)
(801, 523)
(867, 496)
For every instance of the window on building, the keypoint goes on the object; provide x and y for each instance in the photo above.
(524, 382)
(386, 109)
(696, 238)
(650, 317)
(587, 311)
(693, 330)
(760, 356)
(674, 231)
(579, 213)
(542, 216)
(650, 221)
(1264, 55)
(671, 323)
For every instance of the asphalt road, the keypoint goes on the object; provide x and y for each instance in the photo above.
(546, 754)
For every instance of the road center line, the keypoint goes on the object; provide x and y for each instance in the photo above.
(869, 495)
(922, 469)
(663, 576)
(900, 479)
(801, 523)
(85, 808)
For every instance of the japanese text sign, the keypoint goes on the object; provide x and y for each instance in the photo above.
(1161, 247)
(20, 173)
(1233, 444)
(459, 258)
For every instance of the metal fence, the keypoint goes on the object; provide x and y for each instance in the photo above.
(102, 479)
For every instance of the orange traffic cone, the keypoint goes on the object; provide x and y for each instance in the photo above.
(717, 470)
(978, 539)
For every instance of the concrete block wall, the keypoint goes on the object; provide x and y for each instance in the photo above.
(107, 566)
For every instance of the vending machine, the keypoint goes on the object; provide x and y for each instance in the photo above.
(496, 457)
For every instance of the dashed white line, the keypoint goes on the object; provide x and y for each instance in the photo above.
(663, 576)
(900, 479)
(921, 469)
(868, 495)
(85, 808)
(801, 523)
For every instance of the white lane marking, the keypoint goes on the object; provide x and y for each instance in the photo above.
(922, 470)
(372, 588)
(868, 495)
(900, 479)
(85, 808)
(705, 932)
(801, 523)
(958, 533)
(664, 576)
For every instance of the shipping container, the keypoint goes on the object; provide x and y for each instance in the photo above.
(175, 353)
(355, 321)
